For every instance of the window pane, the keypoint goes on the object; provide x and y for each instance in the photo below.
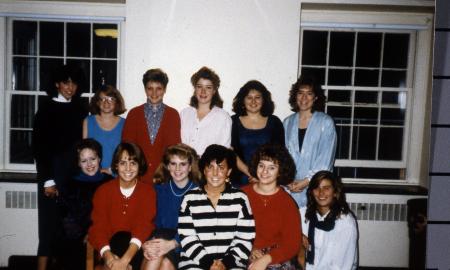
(391, 78)
(364, 77)
(371, 173)
(24, 73)
(341, 48)
(341, 115)
(86, 68)
(339, 96)
(394, 98)
(396, 48)
(369, 50)
(365, 115)
(366, 97)
(392, 116)
(47, 69)
(51, 38)
(339, 77)
(22, 111)
(105, 40)
(79, 39)
(364, 142)
(343, 145)
(314, 47)
(24, 37)
(104, 73)
(20, 147)
(391, 144)
(317, 73)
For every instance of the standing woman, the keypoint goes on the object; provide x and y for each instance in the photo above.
(277, 219)
(123, 210)
(215, 224)
(310, 135)
(57, 127)
(104, 124)
(332, 233)
(177, 174)
(205, 122)
(253, 124)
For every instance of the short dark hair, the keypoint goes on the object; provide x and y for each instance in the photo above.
(109, 91)
(91, 144)
(309, 81)
(207, 74)
(134, 152)
(279, 155)
(217, 153)
(155, 75)
(65, 73)
(339, 205)
(238, 102)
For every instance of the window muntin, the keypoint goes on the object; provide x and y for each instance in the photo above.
(38, 48)
(366, 79)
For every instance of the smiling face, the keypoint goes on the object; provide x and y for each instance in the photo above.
(253, 101)
(216, 174)
(155, 92)
(305, 98)
(267, 172)
(67, 89)
(106, 103)
(127, 169)
(324, 196)
(179, 169)
(204, 91)
(89, 161)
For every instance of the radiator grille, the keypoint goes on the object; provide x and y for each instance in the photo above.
(21, 199)
(379, 211)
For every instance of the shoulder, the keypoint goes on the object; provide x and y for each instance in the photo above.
(287, 200)
(136, 109)
(289, 119)
(235, 118)
(107, 186)
(219, 111)
(187, 111)
(323, 117)
(347, 220)
(171, 110)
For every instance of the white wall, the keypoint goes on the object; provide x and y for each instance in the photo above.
(240, 40)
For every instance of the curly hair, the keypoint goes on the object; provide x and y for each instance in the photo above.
(109, 91)
(134, 152)
(339, 205)
(207, 74)
(155, 75)
(279, 155)
(217, 153)
(307, 81)
(238, 101)
(183, 151)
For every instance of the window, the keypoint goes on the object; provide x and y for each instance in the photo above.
(36, 49)
(369, 74)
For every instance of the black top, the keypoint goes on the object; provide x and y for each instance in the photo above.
(301, 138)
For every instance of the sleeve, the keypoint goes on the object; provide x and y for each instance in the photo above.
(239, 251)
(41, 145)
(344, 257)
(290, 239)
(143, 224)
(99, 232)
(326, 149)
(190, 243)
(234, 133)
(278, 131)
(130, 127)
(175, 128)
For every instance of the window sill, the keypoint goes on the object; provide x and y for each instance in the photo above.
(385, 189)
(10, 177)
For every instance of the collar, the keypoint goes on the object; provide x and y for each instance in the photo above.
(62, 99)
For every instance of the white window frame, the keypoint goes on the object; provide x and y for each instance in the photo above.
(46, 11)
(415, 147)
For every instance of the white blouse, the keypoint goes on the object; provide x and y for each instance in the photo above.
(336, 249)
(214, 128)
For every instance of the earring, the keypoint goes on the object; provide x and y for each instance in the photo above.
(227, 180)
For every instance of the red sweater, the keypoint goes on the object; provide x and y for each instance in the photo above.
(113, 212)
(277, 223)
(135, 130)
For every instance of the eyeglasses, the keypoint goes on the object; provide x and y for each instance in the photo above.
(108, 99)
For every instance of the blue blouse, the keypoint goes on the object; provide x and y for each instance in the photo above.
(318, 150)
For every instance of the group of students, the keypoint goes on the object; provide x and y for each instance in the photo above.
(143, 198)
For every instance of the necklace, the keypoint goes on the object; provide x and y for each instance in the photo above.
(182, 194)
(266, 198)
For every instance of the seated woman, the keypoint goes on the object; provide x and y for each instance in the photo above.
(215, 224)
(330, 225)
(253, 124)
(123, 211)
(177, 174)
(277, 219)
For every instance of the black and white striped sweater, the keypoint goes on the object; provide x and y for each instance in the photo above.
(207, 233)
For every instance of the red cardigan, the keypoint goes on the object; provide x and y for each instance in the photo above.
(113, 212)
(135, 130)
(277, 224)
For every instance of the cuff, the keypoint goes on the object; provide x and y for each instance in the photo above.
(136, 241)
(49, 183)
(229, 261)
(104, 249)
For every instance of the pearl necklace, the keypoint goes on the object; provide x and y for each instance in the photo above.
(179, 195)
